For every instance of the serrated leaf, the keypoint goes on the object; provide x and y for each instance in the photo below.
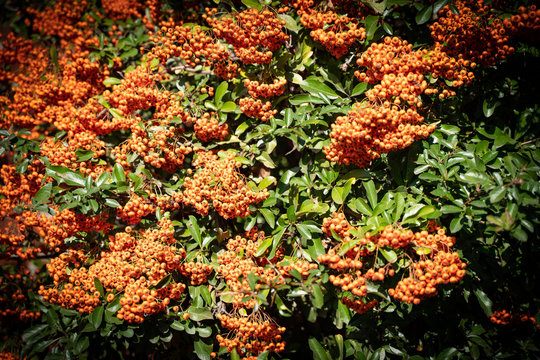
(253, 4)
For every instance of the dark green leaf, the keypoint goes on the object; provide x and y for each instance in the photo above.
(484, 301)
(424, 15)
(43, 194)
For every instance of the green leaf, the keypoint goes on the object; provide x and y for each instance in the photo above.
(35, 333)
(488, 107)
(54, 57)
(359, 89)
(451, 209)
(347, 188)
(177, 325)
(447, 354)
(227, 107)
(424, 15)
(43, 194)
(253, 4)
(316, 86)
(371, 193)
(202, 349)
(318, 351)
(129, 54)
(339, 342)
(484, 301)
(497, 194)
(112, 203)
(84, 155)
(268, 217)
(304, 98)
(220, 91)
(266, 160)
(456, 224)
(317, 296)
(307, 228)
(119, 176)
(337, 196)
(372, 23)
(102, 179)
(81, 345)
(99, 287)
(475, 178)
(111, 81)
(194, 230)
(200, 313)
(290, 23)
(96, 317)
(378, 6)
(389, 255)
(276, 239)
(265, 244)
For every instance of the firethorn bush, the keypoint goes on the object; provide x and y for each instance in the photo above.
(265, 179)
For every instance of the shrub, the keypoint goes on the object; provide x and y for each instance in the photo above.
(277, 179)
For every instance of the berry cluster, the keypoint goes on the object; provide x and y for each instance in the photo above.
(237, 263)
(474, 32)
(337, 223)
(504, 317)
(359, 306)
(133, 264)
(217, 183)
(135, 209)
(197, 272)
(256, 108)
(14, 285)
(370, 130)
(442, 268)
(398, 71)
(337, 34)
(65, 153)
(63, 20)
(251, 335)
(194, 46)
(524, 24)
(259, 89)
(208, 128)
(253, 34)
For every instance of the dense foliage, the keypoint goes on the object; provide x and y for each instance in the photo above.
(269, 179)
